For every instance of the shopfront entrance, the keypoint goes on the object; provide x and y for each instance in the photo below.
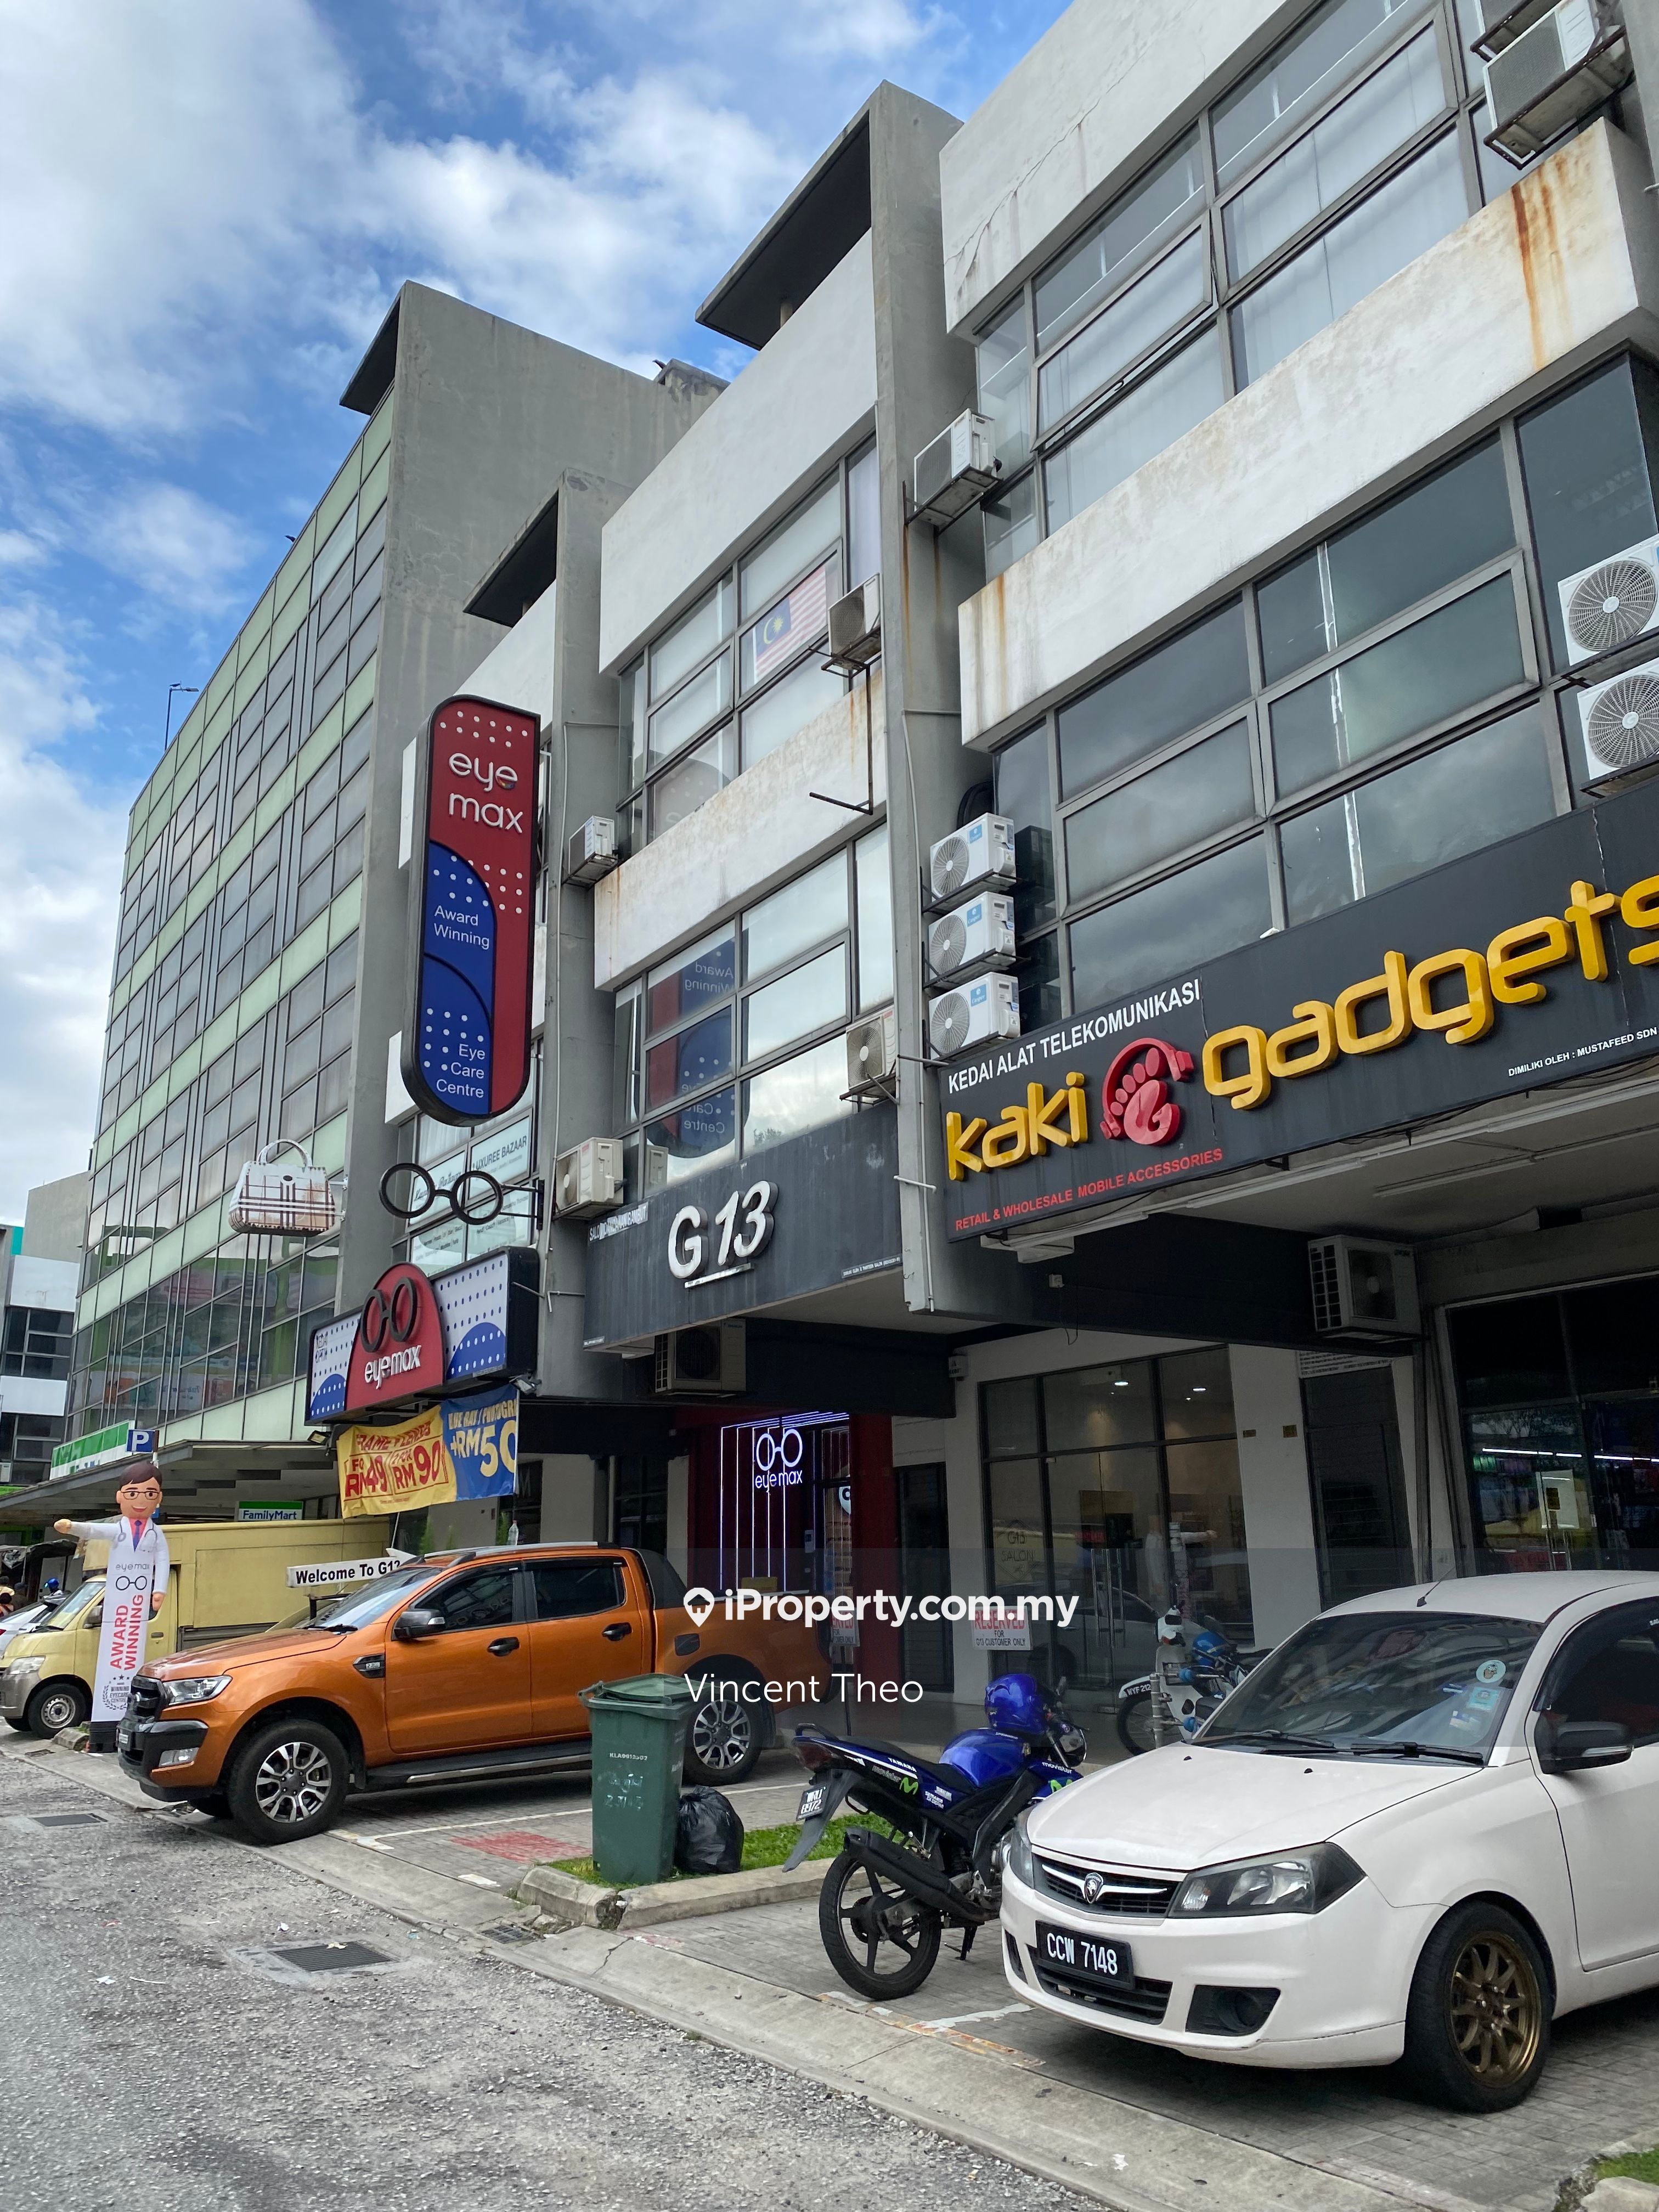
(1118, 1486)
(1558, 1397)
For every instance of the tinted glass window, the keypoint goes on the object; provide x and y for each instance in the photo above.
(1612, 1332)
(480, 1601)
(1206, 910)
(1176, 688)
(1609, 1671)
(1510, 1352)
(1587, 458)
(801, 914)
(565, 1588)
(1202, 791)
(692, 980)
(1021, 770)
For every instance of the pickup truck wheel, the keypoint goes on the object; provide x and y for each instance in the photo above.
(56, 1705)
(290, 1781)
(726, 1731)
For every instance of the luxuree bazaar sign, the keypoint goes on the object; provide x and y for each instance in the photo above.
(1521, 966)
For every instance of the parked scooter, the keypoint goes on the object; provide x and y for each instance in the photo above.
(1200, 1667)
(887, 1898)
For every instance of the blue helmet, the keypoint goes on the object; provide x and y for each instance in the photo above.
(1209, 1649)
(1014, 1702)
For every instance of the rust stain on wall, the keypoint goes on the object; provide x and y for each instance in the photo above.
(1539, 223)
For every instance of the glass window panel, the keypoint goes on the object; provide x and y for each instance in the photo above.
(875, 898)
(305, 1000)
(1019, 1559)
(1337, 153)
(631, 719)
(1004, 386)
(863, 517)
(802, 914)
(812, 529)
(339, 543)
(1435, 533)
(693, 638)
(1177, 686)
(1196, 1389)
(699, 1136)
(1485, 787)
(1010, 522)
(790, 704)
(1036, 978)
(1206, 1509)
(798, 621)
(1399, 222)
(1334, 42)
(1586, 457)
(696, 1056)
(805, 999)
(1193, 797)
(1152, 416)
(625, 1062)
(1092, 1408)
(682, 789)
(1212, 907)
(1020, 771)
(692, 979)
(703, 699)
(301, 1056)
(1151, 211)
(802, 1093)
(1155, 305)
(1421, 675)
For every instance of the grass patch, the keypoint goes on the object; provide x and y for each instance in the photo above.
(761, 1847)
(1634, 2166)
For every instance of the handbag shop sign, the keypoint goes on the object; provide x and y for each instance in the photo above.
(1515, 968)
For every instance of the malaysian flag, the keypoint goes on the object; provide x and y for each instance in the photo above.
(793, 623)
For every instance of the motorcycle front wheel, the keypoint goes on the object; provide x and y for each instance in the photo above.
(881, 1943)
(1134, 1722)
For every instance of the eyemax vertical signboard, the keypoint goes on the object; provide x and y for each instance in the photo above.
(466, 1035)
(1529, 963)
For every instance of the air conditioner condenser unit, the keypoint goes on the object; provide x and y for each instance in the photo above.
(1363, 1289)
(1620, 721)
(872, 1055)
(982, 851)
(589, 1178)
(591, 851)
(1559, 69)
(709, 1361)
(976, 1014)
(855, 625)
(980, 934)
(952, 470)
(1612, 602)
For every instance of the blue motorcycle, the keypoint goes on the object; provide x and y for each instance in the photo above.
(936, 1860)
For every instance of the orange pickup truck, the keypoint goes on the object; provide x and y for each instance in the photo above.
(465, 1667)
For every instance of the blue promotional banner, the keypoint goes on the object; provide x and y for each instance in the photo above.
(466, 1034)
(481, 1434)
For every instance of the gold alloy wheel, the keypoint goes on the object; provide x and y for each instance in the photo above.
(1496, 2010)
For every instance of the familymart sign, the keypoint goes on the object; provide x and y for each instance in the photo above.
(1524, 965)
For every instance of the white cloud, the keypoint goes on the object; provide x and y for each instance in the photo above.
(179, 546)
(60, 860)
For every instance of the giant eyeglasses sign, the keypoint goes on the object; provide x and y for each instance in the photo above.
(466, 1032)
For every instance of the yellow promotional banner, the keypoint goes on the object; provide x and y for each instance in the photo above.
(396, 1470)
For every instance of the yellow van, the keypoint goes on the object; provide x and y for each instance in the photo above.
(229, 1578)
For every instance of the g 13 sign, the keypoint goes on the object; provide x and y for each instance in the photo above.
(466, 1033)
(702, 1251)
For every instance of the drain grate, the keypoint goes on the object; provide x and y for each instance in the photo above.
(301, 1965)
(58, 1820)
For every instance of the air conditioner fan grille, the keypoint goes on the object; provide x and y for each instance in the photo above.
(947, 1024)
(950, 945)
(1613, 604)
(951, 867)
(1622, 728)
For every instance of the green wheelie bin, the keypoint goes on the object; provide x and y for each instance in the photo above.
(639, 1727)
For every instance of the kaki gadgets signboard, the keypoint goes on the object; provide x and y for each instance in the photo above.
(466, 1032)
(1529, 963)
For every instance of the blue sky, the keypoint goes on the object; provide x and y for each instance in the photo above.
(209, 205)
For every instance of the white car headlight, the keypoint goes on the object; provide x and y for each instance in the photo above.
(1289, 1882)
(193, 1689)
(1016, 1855)
(25, 1670)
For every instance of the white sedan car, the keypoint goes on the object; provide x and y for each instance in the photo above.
(1424, 1828)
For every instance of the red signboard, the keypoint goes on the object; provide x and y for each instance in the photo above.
(399, 1345)
(466, 1035)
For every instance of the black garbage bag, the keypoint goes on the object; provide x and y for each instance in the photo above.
(709, 1834)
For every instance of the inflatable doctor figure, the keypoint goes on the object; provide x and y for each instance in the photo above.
(134, 1585)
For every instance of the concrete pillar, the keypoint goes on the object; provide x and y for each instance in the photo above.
(1273, 1469)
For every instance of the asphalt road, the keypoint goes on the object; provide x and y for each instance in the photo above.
(155, 2053)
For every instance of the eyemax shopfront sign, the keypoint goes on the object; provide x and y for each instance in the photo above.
(1520, 966)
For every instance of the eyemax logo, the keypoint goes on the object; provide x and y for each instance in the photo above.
(393, 1363)
(488, 773)
(1453, 994)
